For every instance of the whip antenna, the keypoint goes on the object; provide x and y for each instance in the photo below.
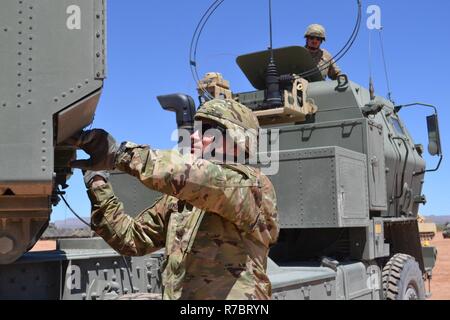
(273, 94)
(270, 30)
(371, 85)
(388, 83)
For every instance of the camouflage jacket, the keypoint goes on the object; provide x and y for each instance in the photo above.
(215, 221)
(321, 57)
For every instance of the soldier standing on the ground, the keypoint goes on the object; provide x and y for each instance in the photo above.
(216, 221)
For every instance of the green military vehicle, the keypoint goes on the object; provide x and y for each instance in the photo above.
(446, 232)
(349, 179)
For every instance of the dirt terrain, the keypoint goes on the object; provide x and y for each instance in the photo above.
(44, 245)
(440, 285)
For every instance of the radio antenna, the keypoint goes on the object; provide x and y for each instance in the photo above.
(273, 94)
(270, 30)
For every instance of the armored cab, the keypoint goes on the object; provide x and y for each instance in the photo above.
(350, 177)
(53, 64)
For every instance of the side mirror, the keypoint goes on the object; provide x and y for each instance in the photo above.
(183, 106)
(434, 146)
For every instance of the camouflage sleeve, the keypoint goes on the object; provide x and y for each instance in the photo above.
(334, 70)
(268, 224)
(129, 236)
(201, 183)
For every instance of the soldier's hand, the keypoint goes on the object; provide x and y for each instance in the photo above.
(99, 145)
(95, 179)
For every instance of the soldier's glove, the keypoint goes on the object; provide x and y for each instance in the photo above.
(100, 145)
(89, 176)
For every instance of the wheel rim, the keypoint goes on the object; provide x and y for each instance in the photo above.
(411, 293)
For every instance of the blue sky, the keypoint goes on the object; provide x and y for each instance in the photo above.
(148, 55)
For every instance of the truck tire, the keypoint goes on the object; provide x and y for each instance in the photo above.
(402, 279)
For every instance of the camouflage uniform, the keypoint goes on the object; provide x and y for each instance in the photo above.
(216, 222)
(321, 57)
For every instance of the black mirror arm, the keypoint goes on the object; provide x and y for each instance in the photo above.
(398, 108)
(431, 170)
(441, 156)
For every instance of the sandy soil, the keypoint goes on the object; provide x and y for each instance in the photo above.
(440, 284)
(44, 246)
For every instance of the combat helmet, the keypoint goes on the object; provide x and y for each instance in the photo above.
(316, 30)
(239, 121)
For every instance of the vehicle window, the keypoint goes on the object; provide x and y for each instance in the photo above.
(398, 128)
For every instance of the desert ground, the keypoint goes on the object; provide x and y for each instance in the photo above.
(44, 245)
(440, 285)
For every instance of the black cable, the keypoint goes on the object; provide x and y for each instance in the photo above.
(73, 211)
(216, 4)
(341, 53)
(130, 278)
(199, 28)
(195, 40)
(200, 31)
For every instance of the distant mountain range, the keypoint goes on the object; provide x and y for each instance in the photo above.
(70, 228)
(72, 223)
(438, 219)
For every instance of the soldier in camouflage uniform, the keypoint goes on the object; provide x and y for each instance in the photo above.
(315, 35)
(216, 221)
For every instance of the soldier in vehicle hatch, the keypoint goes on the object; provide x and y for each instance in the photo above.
(216, 220)
(315, 36)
